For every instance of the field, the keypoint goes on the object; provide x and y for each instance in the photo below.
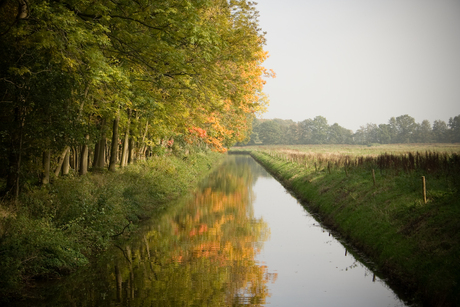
(374, 197)
(356, 150)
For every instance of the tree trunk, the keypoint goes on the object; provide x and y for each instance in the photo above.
(100, 159)
(131, 155)
(76, 158)
(143, 147)
(99, 151)
(12, 181)
(72, 158)
(124, 153)
(114, 151)
(14, 155)
(96, 153)
(84, 158)
(90, 152)
(46, 167)
(66, 164)
(61, 161)
(107, 153)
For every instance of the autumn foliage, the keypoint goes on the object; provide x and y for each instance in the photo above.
(119, 74)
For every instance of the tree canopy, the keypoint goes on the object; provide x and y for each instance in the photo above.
(163, 72)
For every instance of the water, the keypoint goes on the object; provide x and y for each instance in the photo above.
(314, 269)
(241, 239)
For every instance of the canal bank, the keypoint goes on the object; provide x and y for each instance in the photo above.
(417, 246)
(239, 239)
(57, 229)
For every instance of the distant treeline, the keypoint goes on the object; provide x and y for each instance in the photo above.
(402, 129)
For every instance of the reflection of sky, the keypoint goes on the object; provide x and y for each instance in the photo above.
(311, 265)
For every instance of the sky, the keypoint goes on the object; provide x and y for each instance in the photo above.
(362, 61)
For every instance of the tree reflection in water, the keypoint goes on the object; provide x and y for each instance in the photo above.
(201, 253)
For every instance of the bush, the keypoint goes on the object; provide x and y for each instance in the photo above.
(35, 248)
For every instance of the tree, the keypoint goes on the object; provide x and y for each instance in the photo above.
(292, 135)
(270, 132)
(319, 129)
(405, 127)
(306, 131)
(367, 134)
(339, 135)
(360, 136)
(454, 125)
(423, 132)
(373, 133)
(440, 131)
(386, 134)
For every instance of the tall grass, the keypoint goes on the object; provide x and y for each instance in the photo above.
(357, 150)
(429, 162)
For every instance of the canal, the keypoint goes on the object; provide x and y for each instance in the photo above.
(240, 239)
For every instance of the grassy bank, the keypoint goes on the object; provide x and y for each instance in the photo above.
(56, 229)
(413, 242)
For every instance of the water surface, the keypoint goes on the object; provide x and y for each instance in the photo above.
(313, 268)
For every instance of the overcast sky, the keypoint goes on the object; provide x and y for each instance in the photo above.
(362, 61)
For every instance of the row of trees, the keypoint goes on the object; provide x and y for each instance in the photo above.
(105, 82)
(402, 129)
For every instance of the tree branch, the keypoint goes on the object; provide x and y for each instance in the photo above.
(23, 9)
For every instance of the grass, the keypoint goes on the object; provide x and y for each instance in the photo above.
(414, 243)
(54, 230)
(356, 150)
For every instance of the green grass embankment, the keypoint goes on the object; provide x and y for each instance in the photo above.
(413, 243)
(55, 229)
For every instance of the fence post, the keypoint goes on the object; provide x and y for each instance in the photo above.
(424, 189)
(373, 176)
